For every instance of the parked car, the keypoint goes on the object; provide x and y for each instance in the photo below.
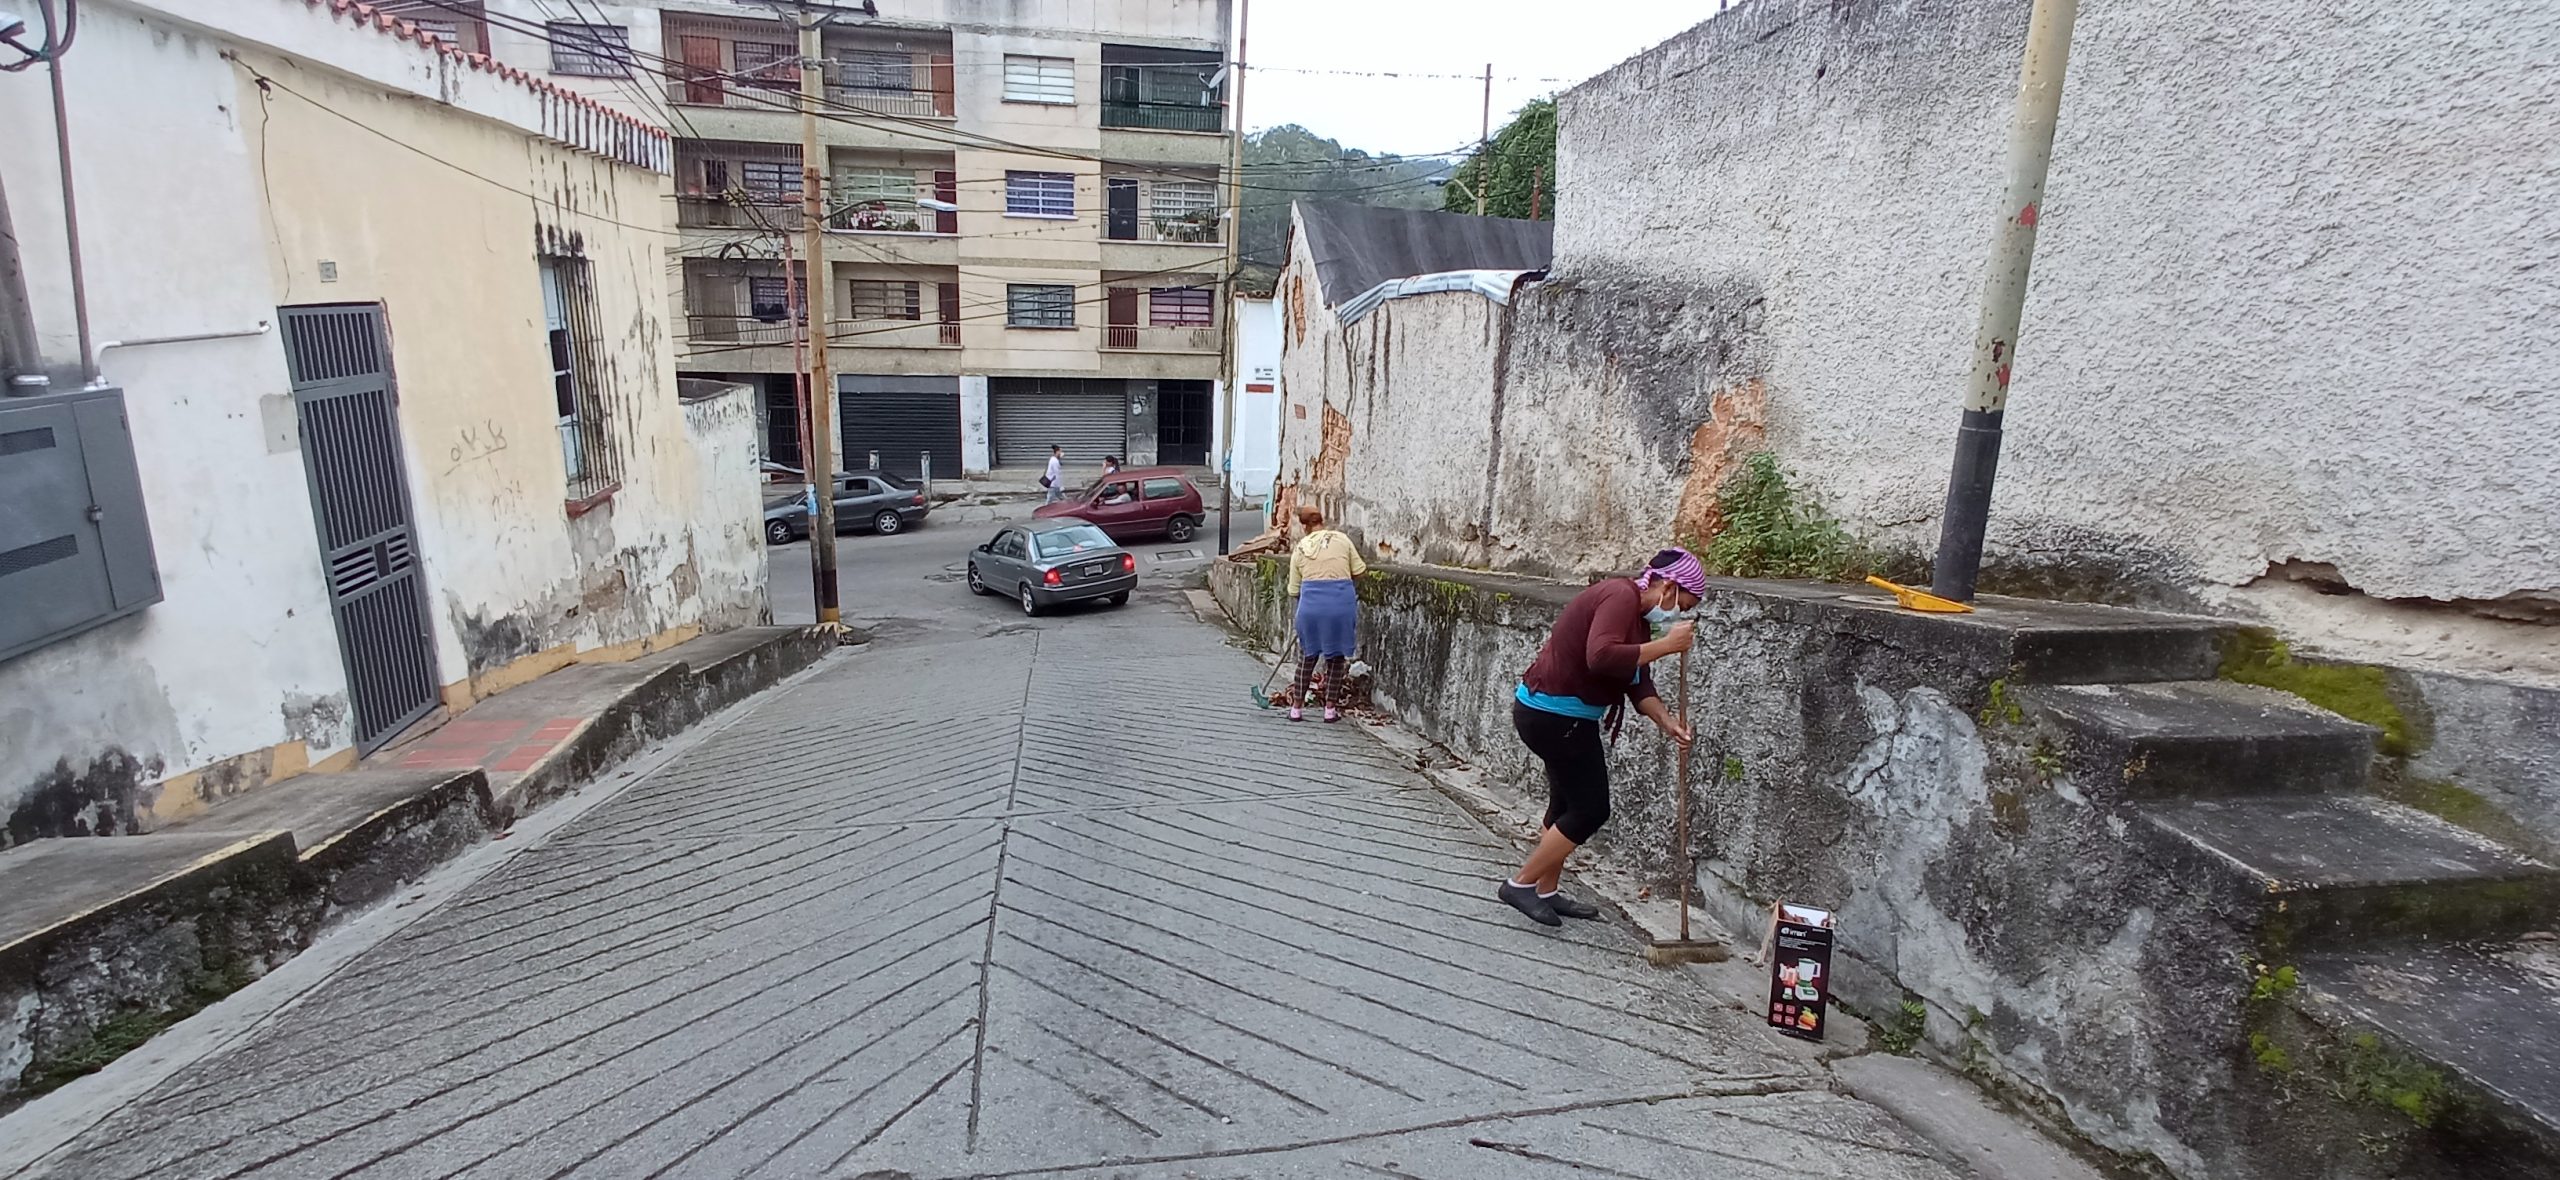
(1142, 502)
(866, 501)
(1042, 563)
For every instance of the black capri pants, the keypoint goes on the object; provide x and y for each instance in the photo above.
(1577, 769)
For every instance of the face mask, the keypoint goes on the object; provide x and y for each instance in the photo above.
(1661, 616)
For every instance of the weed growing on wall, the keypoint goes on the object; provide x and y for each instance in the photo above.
(1770, 532)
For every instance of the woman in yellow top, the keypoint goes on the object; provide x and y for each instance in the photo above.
(1320, 571)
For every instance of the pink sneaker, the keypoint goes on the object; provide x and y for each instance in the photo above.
(1332, 714)
(1296, 714)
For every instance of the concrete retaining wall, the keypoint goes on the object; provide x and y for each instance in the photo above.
(1874, 762)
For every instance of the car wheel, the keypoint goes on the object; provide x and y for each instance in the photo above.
(1120, 599)
(1180, 528)
(777, 532)
(888, 522)
(975, 586)
(1030, 605)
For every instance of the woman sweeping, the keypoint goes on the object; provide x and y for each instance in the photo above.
(1593, 663)
(1321, 567)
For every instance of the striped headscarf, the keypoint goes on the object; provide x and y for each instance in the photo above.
(1679, 567)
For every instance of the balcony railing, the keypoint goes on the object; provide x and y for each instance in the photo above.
(755, 331)
(1121, 336)
(1153, 339)
(1164, 116)
(1189, 228)
(710, 212)
(785, 96)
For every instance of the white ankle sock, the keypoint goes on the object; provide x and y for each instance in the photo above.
(1523, 885)
(1548, 893)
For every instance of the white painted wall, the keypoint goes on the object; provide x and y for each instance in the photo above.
(2295, 299)
(204, 211)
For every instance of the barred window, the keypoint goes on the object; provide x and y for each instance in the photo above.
(1033, 305)
(1039, 79)
(1039, 194)
(767, 300)
(770, 178)
(766, 65)
(880, 299)
(874, 71)
(1176, 199)
(594, 51)
(1179, 307)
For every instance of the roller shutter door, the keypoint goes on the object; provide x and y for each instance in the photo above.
(903, 427)
(1090, 418)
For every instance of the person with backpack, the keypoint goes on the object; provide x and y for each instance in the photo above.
(1055, 481)
(1593, 664)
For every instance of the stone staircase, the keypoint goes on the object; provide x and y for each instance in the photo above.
(2410, 953)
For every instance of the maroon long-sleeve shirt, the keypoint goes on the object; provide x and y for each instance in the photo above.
(1596, 651)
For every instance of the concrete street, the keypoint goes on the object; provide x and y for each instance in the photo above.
(996, 896)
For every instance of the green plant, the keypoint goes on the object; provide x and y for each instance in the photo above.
(1770, 533)
(2358, 692)
(2368, 1070)
(1732, 768)
(2001, 707)
(2271, 1056)
(2047, 760)
(1901, 1031)
(2273, 984)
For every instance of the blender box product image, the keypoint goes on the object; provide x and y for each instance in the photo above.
(1799, 955)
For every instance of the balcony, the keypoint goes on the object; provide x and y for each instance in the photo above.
(1180, 95)
(756, 213)
(1164, 116)
(752, 332)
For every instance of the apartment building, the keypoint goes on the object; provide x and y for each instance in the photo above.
(1024, 209)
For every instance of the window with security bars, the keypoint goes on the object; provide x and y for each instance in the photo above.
(1034, 305)
(1183, 210)
(588, 449)
(1039, 79)
(872, 71)
(768, 300)
(770, 179)
(878, 199)
(1179, 307)
(1039, 194)
(885, 299)
(593, 51)
(767, 65)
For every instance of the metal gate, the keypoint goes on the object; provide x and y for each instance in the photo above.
(1183, 429)
(1090, 418)
(903, 427)
(339, 359)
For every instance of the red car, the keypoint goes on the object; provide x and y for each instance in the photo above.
(1140, 502)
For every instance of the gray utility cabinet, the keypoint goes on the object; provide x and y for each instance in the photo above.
(75, 546)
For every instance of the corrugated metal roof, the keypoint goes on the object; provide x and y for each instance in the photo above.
(1357, 247)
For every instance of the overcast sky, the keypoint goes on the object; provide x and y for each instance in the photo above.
(1537, 47)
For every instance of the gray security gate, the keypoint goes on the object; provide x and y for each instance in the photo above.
(1087, 416)
(340, 363)
(903, 426)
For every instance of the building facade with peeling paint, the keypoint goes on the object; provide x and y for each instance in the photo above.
(426, 438)
(2285, 352)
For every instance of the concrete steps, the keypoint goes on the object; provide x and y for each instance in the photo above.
(2209, 737)
(2339, 870)
(2486, 1016)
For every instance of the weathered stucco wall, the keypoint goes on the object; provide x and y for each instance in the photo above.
(2283, 353)
(206, 205)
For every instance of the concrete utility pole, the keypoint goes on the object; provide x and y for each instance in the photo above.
(821, 449)
(2004, 296)
(1484, 141)
(1229, 352)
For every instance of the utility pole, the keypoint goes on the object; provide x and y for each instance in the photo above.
(2004, 296)
(1230, 368)
(1537, 188)
(1484, 142)
(821, 449)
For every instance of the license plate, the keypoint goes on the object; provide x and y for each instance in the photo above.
(1092, 569)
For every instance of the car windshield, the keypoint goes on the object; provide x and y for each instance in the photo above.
(1072, 540)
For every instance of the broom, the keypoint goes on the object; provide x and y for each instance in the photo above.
(1262, 694)
(1684, 949)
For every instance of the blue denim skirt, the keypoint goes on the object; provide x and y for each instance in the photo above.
(1328, 617)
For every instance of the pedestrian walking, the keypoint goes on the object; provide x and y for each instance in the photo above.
(1321, 568)
(1055, 480)
(1594, 663)
(1110, 466)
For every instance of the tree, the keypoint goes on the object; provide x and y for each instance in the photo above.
(1289, 163)
(1522, 169)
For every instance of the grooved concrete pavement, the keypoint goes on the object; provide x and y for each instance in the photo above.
(1014, 898)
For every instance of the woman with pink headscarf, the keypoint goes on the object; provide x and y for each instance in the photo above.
(1593, 663)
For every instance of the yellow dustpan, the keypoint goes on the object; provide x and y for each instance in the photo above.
(1921, 599)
